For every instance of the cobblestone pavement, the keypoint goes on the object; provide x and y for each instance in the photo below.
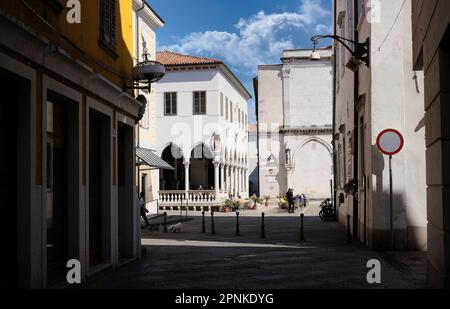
(193, 259)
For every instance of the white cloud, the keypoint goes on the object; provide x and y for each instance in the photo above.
(260, 39)
(323, 29)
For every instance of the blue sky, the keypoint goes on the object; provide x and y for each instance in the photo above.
(242, 33)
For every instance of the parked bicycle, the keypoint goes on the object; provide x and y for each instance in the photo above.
(327, 212)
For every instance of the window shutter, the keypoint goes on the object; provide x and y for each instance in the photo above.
(174, 103)
(112, 23)
(203, 105)
(108, 24)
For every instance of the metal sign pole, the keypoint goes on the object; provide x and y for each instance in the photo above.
(391, 212)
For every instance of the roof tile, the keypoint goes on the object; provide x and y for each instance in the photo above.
(170, 58)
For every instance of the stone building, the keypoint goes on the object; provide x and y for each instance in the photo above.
(145, 24)
(201, 128)
(67, 141)
(253, 163)
(431, 54)
(385, 94)
(294, 111)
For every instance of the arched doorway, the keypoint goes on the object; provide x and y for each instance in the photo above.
(172, 179)
(201, 169)
(312, 170)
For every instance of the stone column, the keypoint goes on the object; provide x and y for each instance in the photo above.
(186, 178)
(232, 180)
(225, 176)
(241, 182)
(247, 180)
(216, 178)
(236, 181)
(222, 175)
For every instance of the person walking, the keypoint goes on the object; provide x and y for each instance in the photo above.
(290, 200)
(144, 211)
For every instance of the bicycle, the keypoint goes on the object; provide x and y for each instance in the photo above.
(327, 212)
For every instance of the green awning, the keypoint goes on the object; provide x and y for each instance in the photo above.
(149, 158)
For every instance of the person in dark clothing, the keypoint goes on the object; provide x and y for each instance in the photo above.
(290, 200)
(144, 211)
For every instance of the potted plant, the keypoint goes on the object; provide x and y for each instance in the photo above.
(266, 200)
(228, 205)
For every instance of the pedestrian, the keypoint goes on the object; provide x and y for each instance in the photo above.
(290, 200)
(144, 211)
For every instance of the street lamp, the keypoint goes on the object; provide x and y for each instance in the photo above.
(148, 72)
(145, 72)
(361, 52)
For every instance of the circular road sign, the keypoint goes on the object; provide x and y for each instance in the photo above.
(390, 142)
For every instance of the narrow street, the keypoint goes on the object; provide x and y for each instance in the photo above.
(193, 259)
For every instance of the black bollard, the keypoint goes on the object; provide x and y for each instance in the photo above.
(165, 222)
(302, 232)
(238, 233)
(213, 229)
(203, 222)
(263, 228)
(349, 234)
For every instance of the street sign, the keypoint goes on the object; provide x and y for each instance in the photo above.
(390, 142)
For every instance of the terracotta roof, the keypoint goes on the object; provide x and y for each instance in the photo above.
(169, 58)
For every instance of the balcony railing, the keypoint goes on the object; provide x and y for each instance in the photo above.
(206, 197)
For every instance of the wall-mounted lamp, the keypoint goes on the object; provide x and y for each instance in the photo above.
(146, 72)
(361, 53)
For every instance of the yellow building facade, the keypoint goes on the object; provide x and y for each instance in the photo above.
(68, 140)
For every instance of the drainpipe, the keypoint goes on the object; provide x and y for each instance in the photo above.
(138, 130)
(333, 143)
(355, 131)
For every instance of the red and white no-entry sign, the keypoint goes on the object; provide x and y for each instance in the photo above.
(390, 142)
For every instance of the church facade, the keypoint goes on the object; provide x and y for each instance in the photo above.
(294, 110)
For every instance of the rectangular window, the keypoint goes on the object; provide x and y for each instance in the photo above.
(239, 118)
(231, 111)
(170, 104)
(221, 104)
(108, 26)
(200, 103)
(226, 108)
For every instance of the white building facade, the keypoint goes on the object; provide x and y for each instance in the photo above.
(295, 125)
(145, 24)
(253, 163)
(201, 129)
(389, 95)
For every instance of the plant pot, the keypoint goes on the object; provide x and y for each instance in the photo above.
(226, 209)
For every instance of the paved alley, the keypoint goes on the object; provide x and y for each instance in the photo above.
(193, 259)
